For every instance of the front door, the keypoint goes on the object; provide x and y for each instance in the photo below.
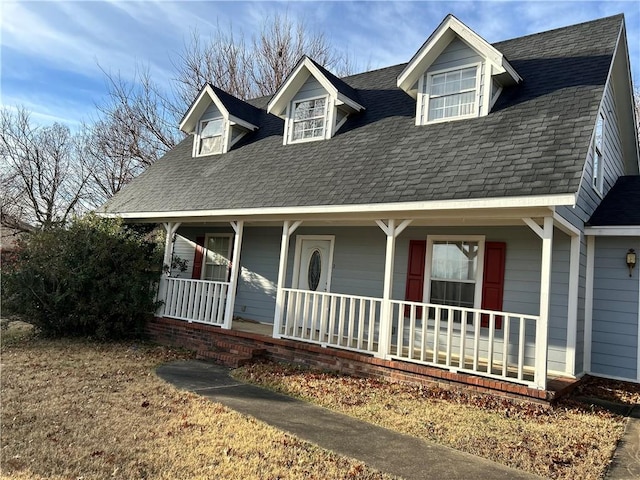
(314, 263)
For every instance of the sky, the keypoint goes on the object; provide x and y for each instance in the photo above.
(54, 54)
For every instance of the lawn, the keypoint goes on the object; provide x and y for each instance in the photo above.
(81, 410)
(566, 441)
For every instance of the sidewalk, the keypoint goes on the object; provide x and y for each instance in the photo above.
(390, 452)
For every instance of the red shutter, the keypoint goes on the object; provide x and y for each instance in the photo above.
(415, 273)
(493, 279)
(197, 258)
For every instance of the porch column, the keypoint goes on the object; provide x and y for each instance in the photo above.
(238, 227)
(170, 228)
(386, 314)
(542, 326)
(572, 304)
(287, 229)
(588, 303)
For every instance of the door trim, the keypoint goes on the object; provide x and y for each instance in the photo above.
(298, 253)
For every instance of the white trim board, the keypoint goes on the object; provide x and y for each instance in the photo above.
(482, 203)
(615, 231)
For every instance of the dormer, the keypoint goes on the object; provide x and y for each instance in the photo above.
(217, 120)
(313, 103)
(455, 75)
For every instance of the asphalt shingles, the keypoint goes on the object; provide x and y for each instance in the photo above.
(534, 142)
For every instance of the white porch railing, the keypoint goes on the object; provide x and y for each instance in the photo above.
(500, 345)
(193, 300)
(331, 319)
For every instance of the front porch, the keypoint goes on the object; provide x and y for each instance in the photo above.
(204, 338)
(511, 344)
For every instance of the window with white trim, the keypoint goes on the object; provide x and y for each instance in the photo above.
(210, 137)
(217, 258)
(308, 119)
(598, 160)
(454, 271)
(452, 94)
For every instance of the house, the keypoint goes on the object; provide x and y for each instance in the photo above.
(450, 216)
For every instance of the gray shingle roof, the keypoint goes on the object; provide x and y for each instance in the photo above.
(534, 142)
(621, 206)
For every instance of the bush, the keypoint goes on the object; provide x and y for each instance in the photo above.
(96, 278)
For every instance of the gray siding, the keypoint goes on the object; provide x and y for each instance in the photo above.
(615, 310)
(211, 112)
(310, 89)
(588, 199)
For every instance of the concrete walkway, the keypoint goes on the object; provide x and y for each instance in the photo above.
(382, 449)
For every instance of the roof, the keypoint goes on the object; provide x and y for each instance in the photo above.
(621, 205)
(534, 142)
(340, 85)
(236, 107)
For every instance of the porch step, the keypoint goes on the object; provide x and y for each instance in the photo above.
(239, 348)
(230, 353)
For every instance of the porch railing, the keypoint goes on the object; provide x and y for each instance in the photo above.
(482, 342)
(499, 345)
(332, 319)
(193, 300)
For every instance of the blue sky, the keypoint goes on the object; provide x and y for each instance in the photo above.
(52, 52)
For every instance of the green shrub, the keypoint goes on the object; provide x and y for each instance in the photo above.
(97, 278)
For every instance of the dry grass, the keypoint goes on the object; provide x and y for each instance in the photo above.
(77, 410)
(567, 441)
(617, 391)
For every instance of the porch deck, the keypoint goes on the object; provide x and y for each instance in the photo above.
(260, 334)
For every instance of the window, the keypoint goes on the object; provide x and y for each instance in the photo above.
(218, 252)
(597, 173)
(452, 94)
(455, 271)
(211, 136)
(309, 118)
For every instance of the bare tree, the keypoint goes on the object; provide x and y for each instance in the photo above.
(224, 60)
(43, 181)
(281, 43)
(138, 122)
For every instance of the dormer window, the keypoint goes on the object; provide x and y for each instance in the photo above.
(218, 121)
(313, 103)
(309, 119)
(452, 94)
(455, 75)
(211, 139)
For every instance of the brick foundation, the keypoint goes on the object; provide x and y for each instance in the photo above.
(199, 337)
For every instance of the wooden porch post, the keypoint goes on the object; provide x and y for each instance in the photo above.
(170, 228)
(287, 229)
(386, 317)
(588, 303)
(542, 326)
(238, 227)
(572, 304)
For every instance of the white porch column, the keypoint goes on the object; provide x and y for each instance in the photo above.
(238, 227)
(542, 326)
(170, 228)
(572, 304)
(287, 229)
(386, 317)
(588, 303)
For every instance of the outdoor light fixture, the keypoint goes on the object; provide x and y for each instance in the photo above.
(631, 260)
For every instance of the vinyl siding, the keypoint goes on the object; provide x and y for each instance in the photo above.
(615, 309)
(211, 112)
(588, 200)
